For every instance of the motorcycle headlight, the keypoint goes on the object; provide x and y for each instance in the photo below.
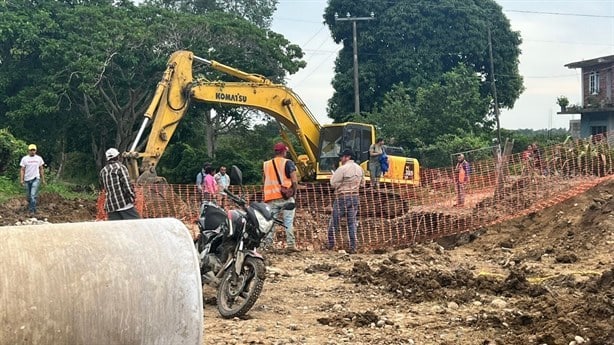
(264, 225)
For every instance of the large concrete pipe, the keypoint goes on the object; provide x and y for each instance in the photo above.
(100, 283)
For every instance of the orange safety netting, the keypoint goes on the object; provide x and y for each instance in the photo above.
(397, 215)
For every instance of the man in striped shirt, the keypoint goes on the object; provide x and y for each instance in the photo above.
(346, 181)
(119, 198)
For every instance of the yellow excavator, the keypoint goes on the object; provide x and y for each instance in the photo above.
(321, 143)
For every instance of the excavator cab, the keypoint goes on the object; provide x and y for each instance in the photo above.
(334, 138)
(358, 137)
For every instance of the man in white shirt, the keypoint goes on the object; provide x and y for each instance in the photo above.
(31, 175)
(223, 181)
(347, 181)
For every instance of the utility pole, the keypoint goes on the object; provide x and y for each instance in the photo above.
(494, 87)
(355, 48)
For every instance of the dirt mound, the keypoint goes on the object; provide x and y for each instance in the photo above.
(547, 278)
(51, 206)
(551, 311)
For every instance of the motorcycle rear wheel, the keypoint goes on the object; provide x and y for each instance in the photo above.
(236, 298)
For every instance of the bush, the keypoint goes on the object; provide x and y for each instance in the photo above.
(181, 163)
(80, 168)
(438, 155)
(11, 151)
(9, 187)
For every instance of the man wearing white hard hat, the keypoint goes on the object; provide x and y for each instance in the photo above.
(31, 175)
(119, 196)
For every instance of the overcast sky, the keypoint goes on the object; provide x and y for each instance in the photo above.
(554, 33)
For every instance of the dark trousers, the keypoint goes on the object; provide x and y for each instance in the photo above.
(130, 213)
(344, 205)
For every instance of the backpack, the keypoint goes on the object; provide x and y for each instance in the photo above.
(383, 162)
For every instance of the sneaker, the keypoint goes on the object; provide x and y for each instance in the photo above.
(292, 249)
(352, 251)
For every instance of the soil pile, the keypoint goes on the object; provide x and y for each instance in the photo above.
(542, 279)
(547, 278)
(51, 206)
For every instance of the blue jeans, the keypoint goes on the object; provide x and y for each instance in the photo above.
(288, 218)
(32, 193)
(344, 205)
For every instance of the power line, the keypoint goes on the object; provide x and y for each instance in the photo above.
(549, 76)
(296, 20)
(314, 35)
(308, 58)
(504, 10)
(325, 60)
(560, 14)
(569, 42)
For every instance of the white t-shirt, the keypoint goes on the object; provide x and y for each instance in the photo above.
(223, 181)
(31, 165)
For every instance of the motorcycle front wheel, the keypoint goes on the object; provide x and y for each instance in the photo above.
(236, 296)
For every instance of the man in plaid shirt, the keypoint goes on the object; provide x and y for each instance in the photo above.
(119, 199)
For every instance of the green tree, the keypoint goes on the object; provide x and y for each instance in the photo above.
(450, 106)
(84, 86)
(439, 153)
(396, 119)
(415, 42)
(258, 12)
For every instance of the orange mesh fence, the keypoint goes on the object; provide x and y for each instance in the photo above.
(398, 215)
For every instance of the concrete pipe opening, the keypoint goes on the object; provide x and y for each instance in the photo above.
(100, 283)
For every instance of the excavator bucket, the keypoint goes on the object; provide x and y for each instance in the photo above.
(99, 283)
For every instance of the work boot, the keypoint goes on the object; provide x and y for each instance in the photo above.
(292, 249)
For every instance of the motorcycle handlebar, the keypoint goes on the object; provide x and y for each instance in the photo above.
(238, 200)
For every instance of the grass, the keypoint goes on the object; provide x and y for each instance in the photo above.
(10, 188)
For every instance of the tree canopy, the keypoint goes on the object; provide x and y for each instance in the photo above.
(258, 12)
(415, 42)
(451, 106)
(82, 86)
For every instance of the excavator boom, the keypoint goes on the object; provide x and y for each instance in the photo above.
(177, 88)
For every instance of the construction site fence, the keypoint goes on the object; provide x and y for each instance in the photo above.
(397, 215)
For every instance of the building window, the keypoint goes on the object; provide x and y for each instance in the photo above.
(598, 130)
(593, 83)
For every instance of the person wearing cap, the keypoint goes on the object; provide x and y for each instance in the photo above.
(346, 181)
(375, 168)
(279, 172)
(119, 195)
(31, 175)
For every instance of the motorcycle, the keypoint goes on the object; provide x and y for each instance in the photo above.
(226, 246)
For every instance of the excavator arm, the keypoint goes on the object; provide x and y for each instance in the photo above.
(278, 101)
(178, 87)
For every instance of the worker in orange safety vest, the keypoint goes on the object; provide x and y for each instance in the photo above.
(280, 185)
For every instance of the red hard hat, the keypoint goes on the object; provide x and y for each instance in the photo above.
(279, 147)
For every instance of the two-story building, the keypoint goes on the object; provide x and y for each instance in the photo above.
(597, 108)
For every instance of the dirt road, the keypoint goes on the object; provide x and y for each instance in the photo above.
(544, 279)
(547, 278)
